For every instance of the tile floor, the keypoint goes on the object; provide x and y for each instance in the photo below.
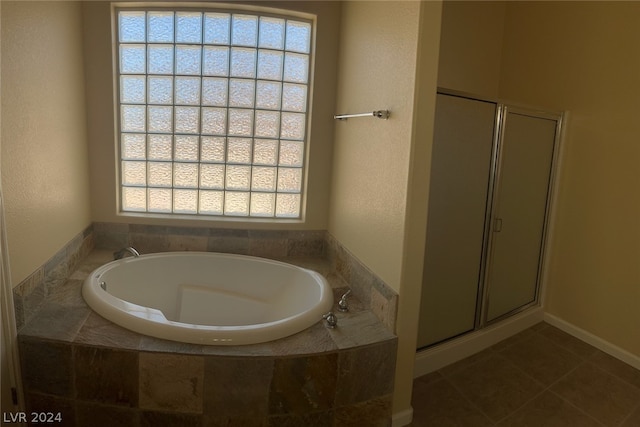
(540, 377)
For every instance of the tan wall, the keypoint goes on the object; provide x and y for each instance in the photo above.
(98, 61)
(580, 57)
(471, 46)
(583, 57)
(377, 65)
(44, 150)
(381, 168)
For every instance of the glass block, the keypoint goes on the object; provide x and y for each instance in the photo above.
(244, 30)
(133, 146)
(271, 33)
(188, 60)
(134, 173)
(270, 65)
(185, 175)
(263, 179)
(214, 121)
(291, 153)
(188, 90)
(185, 201)
(212, 176)
(287, 205)
(265, 152)
(160, 59)
(289, 180)
(187, 119)
(236, 203)
(296, 68)
(134, 199)
(212, 149)
(238, 177)
(186, 148)
(160, 118)
(240, 122)
(160, 90)
(292, 126)
(243, 62)
(215, 61)
(160, 27)
(241, 93)
(211, 202)
(263, 204)
(267, 124)
(132, 89)
(189, 27)
(268, 95)
(133, 118)
(131, 26)
(216, 28)
(160, 200)
(132, 59)
(160, 147)
(239, 150)
(214, 92)
(294, 97)
(160, 174)
(298, 36)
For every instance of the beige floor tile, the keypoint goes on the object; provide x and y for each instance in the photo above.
(616, 367)
(549, 410)
(496, 386)
(598, 393)
(571, 343)
(540, 358)
(634, 419)
(438, 403)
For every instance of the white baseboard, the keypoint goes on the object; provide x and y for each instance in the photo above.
(432, 359)
(402, 418)
(597, 342)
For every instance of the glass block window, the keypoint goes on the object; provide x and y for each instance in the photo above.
(212, 112)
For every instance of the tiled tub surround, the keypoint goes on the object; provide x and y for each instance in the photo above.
(96, 373)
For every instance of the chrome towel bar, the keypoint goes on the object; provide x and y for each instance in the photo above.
(381, 114)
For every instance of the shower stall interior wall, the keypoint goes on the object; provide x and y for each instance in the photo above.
(491, 175)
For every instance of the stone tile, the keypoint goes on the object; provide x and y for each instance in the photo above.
(571, 343)
(153, 344)
(269, 247)
(495, 386)
(213, 421)
(57, 322)
(171, 382)
(438, 403)
(106, 376)
(598, 393)
(372, 413)
(366, 373)
(310, 419)
(357, 329)
(228, 244)
(634, 419)
(237, 387)
(99, 331)
(169, 419)
(69, 294)
(305, 243)
(616, 367)
(46, 367)
(549, 410)
(313, 340)
(62, 409)
(384, 309)
(96, 415)
(541, 359)
(303, 385)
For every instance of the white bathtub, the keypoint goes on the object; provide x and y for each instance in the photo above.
(208, 298)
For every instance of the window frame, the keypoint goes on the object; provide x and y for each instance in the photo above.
(258, 12)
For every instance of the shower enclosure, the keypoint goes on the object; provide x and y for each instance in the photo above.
(491, 178)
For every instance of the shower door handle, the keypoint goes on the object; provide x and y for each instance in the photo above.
(497, 225)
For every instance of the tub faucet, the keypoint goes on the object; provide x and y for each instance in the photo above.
(331, 320)
(122, 252)
(343, 305)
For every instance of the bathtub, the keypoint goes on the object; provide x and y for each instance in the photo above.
(208, 298)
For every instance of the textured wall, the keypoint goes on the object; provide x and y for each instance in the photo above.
(45, 175)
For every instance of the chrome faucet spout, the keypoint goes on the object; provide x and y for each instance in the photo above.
(122, 252)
